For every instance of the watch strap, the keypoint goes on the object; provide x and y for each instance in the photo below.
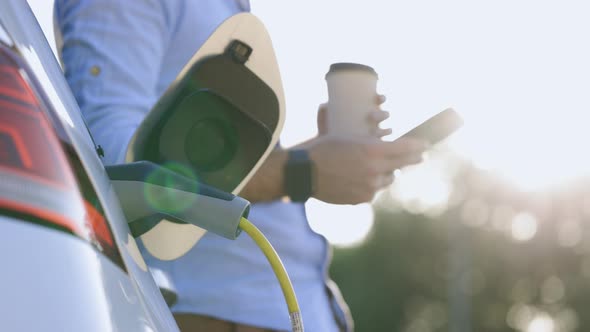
(299, 176)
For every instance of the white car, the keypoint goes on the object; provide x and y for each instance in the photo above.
(69, 262)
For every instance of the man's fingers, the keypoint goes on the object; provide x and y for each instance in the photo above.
(386, 180)
(383, 132)
(380, 99)
(378, 116)
(390, 165)
(407, 161)
(322, 126)
(400, 147)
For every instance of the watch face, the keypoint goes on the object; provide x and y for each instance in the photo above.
(299, 176)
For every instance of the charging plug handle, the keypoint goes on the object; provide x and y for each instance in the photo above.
(211, 209)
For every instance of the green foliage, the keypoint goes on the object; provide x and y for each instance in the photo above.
(449, 273)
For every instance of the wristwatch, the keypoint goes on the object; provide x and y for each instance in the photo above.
(299, 176)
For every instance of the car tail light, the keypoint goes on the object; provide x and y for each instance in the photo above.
(37, 183)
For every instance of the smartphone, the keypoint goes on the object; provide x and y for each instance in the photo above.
(438, 127)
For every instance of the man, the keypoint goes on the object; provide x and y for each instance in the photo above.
(119, 57)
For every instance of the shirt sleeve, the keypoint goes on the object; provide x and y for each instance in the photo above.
(112, 53)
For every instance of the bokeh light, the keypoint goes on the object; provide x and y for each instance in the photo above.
(569, 233)
(542, 322)
(552, 290)
(566, 320)
(520, 315)
(524, 226)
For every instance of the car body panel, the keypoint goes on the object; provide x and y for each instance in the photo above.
(53, 281)
(4, 37)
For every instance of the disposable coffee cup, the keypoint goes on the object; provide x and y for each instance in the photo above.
(352, 96)
(352, 93)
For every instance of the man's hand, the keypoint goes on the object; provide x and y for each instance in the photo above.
(375, 117)
(349, 172)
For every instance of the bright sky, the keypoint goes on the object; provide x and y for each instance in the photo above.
(517, 70)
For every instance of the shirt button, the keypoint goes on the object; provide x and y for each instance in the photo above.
(95, 70)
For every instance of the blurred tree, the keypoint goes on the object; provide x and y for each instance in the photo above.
(495, 260)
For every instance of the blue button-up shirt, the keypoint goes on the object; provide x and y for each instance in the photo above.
(119, 56)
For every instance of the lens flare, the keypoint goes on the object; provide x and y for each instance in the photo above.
(424, 188)
(165, 200)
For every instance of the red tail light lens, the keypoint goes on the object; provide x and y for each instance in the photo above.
(37, 182)
(27, 143)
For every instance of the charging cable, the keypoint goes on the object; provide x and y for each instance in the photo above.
(214, 210)
(279, 270)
